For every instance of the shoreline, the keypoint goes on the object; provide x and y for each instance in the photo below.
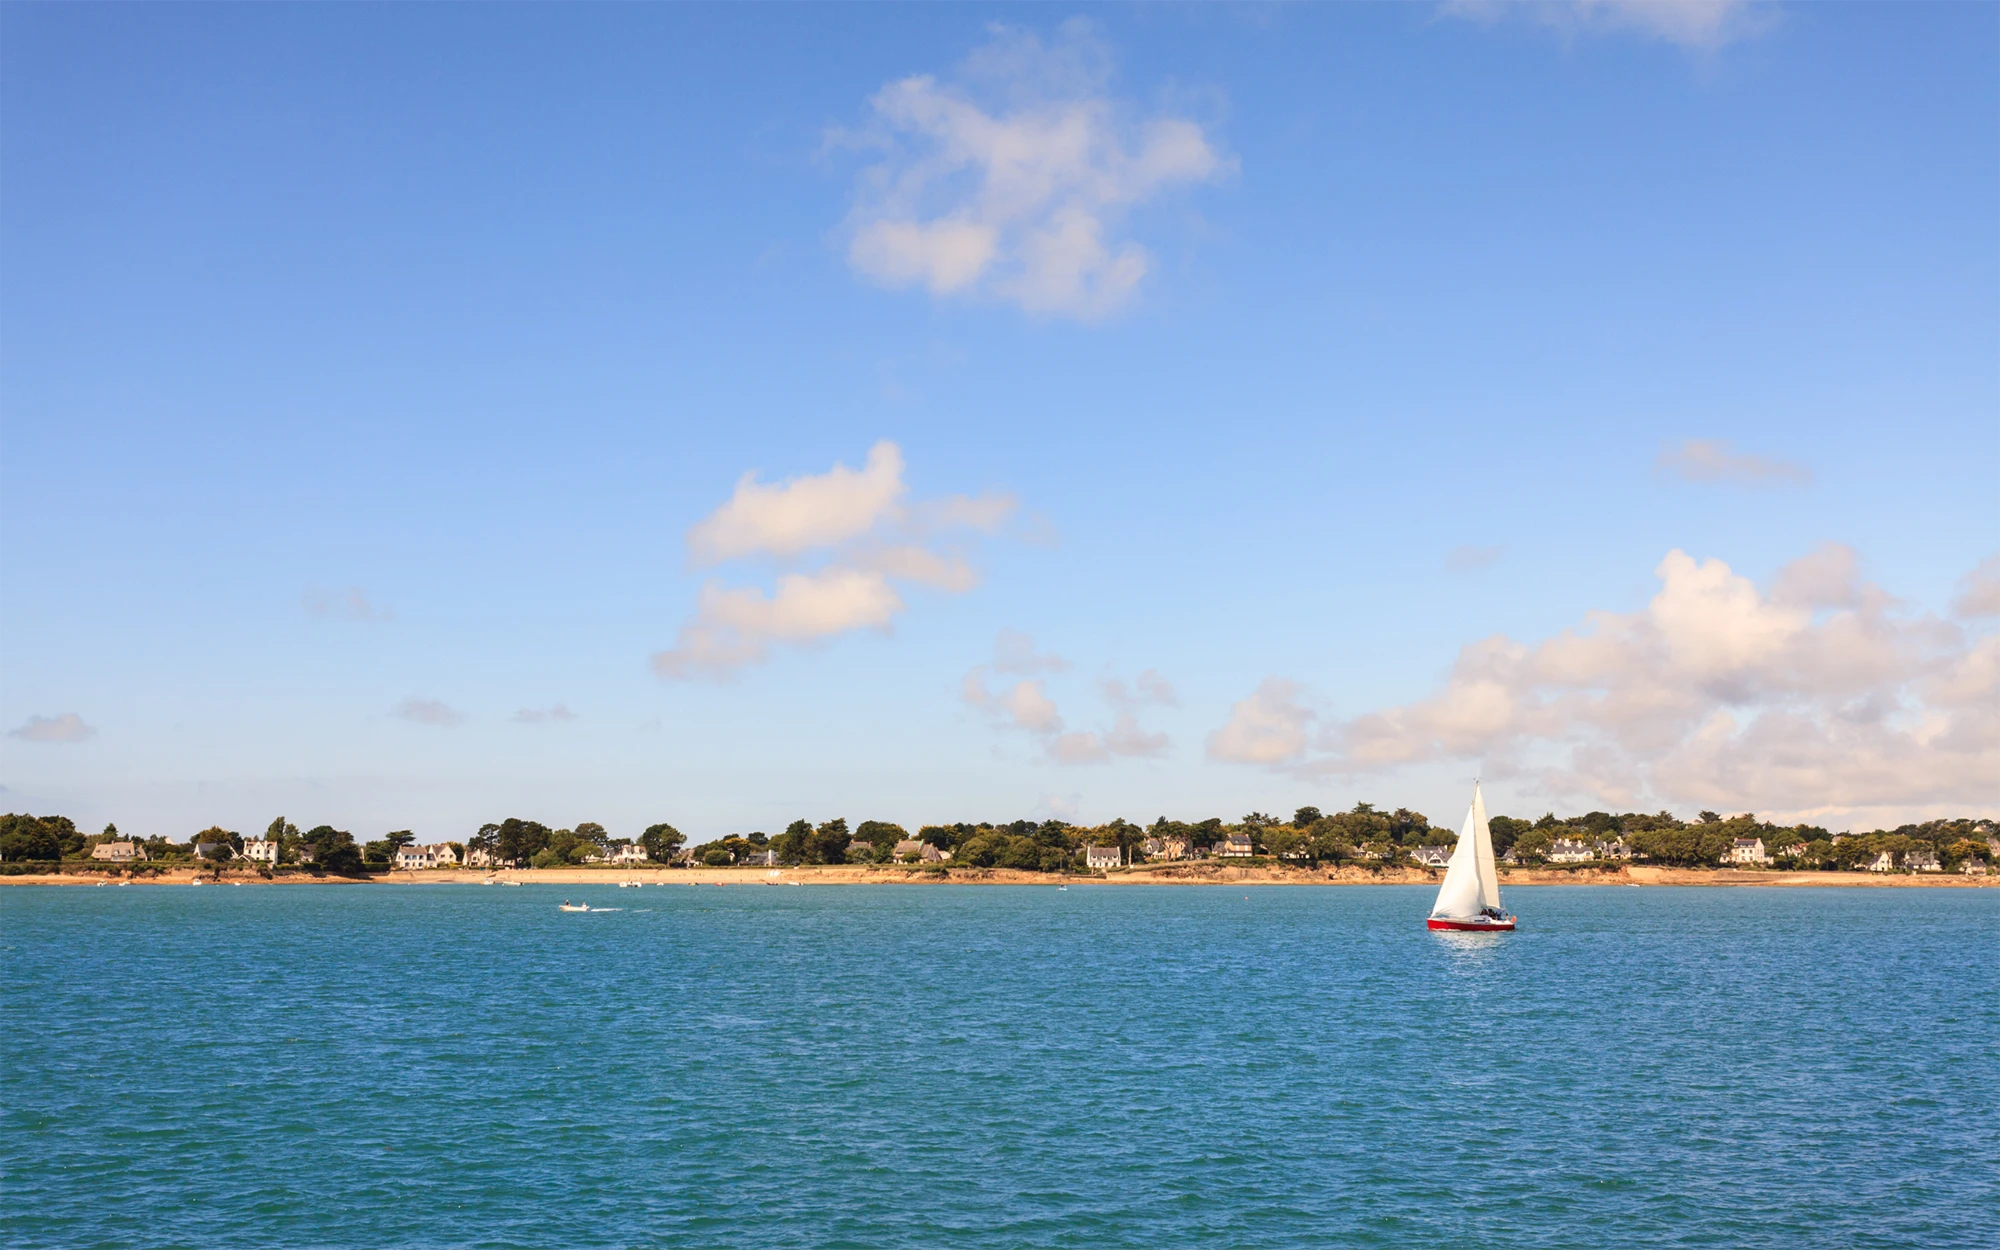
(1199, 874)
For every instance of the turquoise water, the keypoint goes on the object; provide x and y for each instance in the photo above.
(997, 1066)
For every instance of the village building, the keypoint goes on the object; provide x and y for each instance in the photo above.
(260, 850)
(630, 853)
(1153, 848)
(909, 846)
(760, 859)
(1748, 851)
(478, 857)
(1571, 851)
(1432, 856)
(1617, 848)
(307, 852)
(1237, 847)
(1974, 868)
(414, 857)
(118, 852)
(1102, 857)
(213, 850)
(1922, 861)
(934, 855)
(1885, 862)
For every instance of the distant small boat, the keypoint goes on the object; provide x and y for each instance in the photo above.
(628, 885)
(1062, 887)
(510, 883)
(569, 906)
(1469, 899)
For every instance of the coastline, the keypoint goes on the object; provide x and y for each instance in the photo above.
(1182, 874)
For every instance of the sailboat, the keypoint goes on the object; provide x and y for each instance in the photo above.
(1469, 899)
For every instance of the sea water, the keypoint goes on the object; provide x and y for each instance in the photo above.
(392, 1066)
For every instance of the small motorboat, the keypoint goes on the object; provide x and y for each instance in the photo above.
(569, 906)
(628, 885)
(510, 883)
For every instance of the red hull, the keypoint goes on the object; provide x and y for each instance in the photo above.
(1472, 926)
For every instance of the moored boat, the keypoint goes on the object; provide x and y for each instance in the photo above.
(1469, 899)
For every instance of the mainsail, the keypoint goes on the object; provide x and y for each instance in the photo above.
(1470, 881)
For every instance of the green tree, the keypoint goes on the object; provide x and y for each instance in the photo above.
(661, 841)
(794, 845)
(1304, 818)
(398, 839)
(828, 843)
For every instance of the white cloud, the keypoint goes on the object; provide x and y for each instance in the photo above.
(1470, 559)
(1012, 180)
(803, 513)
(1025, 705)
(348, 604)
(1269, 727)
(67, 728)
(429, 712)
(1979, 590)
(1821, 695)
(1701, 24)
(866, 538)
(1717, 460)
(543, 715)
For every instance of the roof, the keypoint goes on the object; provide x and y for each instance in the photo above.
(1749, 842)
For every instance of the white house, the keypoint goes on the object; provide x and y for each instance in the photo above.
(630, 853)
(1571, 851)
(1922, 861)
(1617, 848)
(118, 852)
(908, 846)
(1237, 847)
(415, 857)
(1884, 862)
(1433, 856)
(478, 857)
(261, 850)
(933, 855)
(1102, 857)
(1748, 851)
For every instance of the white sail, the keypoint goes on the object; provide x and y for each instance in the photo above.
(1459, 897)
(1489, 879)
(1470, 881)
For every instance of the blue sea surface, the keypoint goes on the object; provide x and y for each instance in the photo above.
(994, 1066)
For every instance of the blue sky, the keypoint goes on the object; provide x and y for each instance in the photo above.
(366, 374)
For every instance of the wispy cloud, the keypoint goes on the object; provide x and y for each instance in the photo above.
(1696, 24)
(348, 604)
(66, 728)
(866, 541)
(1012, 180)
(1271, 726)
(1469, 559)
(1819, 695)
(1025, 705)
(429, 712)
(1717, 460)
(1979, 590)
(543, 715)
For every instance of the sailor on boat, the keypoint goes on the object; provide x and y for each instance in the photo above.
(1469, 899)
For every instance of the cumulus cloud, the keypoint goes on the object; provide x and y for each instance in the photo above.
(68, 728)
(1979, 590)
(865, 537)
(348, 604)
(429, 712)
(1269, 727)
(1013, 179)
(1717, 460)
(543, 715)
(1821, 694)
(1700, 24)
(1025, 705)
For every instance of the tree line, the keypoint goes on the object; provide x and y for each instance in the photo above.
(1309, 836)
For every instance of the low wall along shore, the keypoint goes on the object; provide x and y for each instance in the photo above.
(1202, 873)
